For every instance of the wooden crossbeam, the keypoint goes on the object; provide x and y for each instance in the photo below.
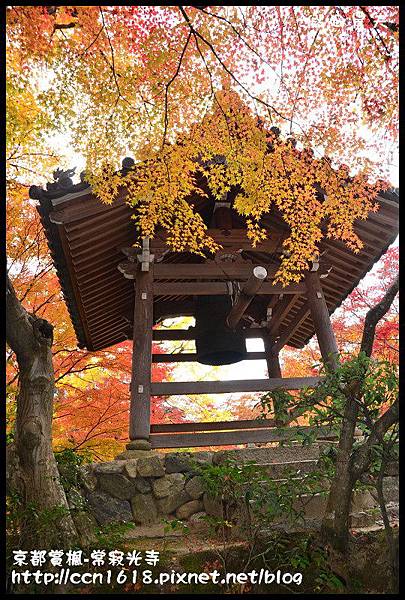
(225, 387)
(225, 438)
(213, 426)
(168, 335)
(226, 271)
(210, 288)
(239, 271)
(179, 357)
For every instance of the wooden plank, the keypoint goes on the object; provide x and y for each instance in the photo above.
(213, 426)
(106, 293)
(113, 306)
(210, 288)
(170, 335)
(227, 438)
(321, 320)
(225, 387)
(97, 273)
(139, 425)
(192, 357)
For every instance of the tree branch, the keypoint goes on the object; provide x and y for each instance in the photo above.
(374, 315)
(362, 455)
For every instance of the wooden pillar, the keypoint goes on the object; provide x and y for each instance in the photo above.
(272, 355)
(273, 368)
(321, 320)
(272, 358)
(139, 419)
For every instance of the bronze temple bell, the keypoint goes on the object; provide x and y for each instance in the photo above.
(216, 343)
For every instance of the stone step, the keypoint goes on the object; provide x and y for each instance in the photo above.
(269, 455)
(278, 470)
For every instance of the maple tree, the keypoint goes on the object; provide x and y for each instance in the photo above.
(149, 79)
(29, 154)
(91, 411)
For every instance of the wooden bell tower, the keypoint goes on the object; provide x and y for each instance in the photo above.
(155, 279)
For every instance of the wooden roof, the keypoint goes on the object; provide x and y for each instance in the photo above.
(85, 238)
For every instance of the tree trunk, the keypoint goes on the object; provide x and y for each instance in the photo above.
(35, 475)
(349, 465)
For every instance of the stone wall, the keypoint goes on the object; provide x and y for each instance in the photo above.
(148, 488)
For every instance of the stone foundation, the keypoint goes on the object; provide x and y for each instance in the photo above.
(148, 488)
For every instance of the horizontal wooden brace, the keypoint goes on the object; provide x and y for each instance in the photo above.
(226, 438)
(240, 271)
(171, 335)
(192, 357)
(224, 387)
(213, 426)
(210, 288)
(237, 272)
(226, 271)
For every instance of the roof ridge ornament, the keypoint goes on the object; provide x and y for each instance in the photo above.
(61, 185)
(62, 179)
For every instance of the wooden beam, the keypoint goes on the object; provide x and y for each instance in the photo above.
(139, 419)
(321, 320)
(213, 426)
(238, 271)
(192, 357)
(210, 288)
(169, 335)
(226, 271)
(238, 385)
(226, 438)
(249, 290)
